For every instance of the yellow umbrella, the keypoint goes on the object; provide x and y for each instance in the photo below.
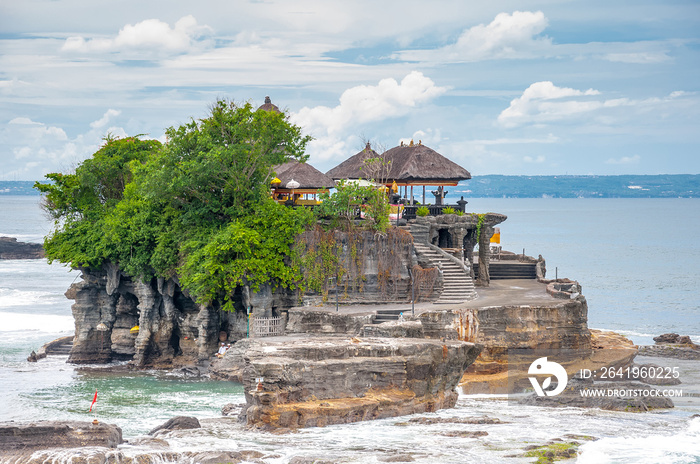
(275, 181)
(394, 187)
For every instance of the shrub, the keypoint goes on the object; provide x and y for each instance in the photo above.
(448, 210)
(422, 211)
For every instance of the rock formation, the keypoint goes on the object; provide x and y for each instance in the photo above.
(156, 323)
(293, 382)
(19, 439)
(10, 248)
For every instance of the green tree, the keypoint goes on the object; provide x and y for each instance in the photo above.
(197, 207)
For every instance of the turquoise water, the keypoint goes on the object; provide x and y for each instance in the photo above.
(638, 262)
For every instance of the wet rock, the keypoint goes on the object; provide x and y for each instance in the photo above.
(670, 351)
(178, 423)
(32, 357)
(10, 248)
(465, 434)
(157, 443)
(456, 420)
(25, 437)
(217, 457)
(318, 381)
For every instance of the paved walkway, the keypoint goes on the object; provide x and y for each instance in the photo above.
(514, 292)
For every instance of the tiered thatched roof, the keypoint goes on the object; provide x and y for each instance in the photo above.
(268, 106)
(407, 165)
(310, 179)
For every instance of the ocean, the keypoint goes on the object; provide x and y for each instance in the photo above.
(638, 261)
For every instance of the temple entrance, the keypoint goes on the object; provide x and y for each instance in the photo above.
(444, 238)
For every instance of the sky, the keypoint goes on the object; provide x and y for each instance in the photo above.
(525, 87)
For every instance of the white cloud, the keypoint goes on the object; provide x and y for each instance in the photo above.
(368, 103)
(624, 160)
(104, 120)
(335, 130)
(37, 148)
(544, 101)
(151, 34)
(507, 36)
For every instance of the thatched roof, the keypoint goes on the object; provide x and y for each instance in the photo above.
(268, 106)
(309, 177)
(408, 164)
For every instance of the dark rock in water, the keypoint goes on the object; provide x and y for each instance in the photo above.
(32, 357)
(674, 339)
(465, 433)
(178, 423)
(670, 351)
(667, 338)
(10, 248)
(20, 438)
(617, 396)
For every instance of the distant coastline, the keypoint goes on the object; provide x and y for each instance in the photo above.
(498, 186)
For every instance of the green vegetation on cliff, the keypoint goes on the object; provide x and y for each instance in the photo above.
(197, 207)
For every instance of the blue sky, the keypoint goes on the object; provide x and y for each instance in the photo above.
(501, 87)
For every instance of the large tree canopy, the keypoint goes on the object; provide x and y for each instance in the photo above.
(197, 206)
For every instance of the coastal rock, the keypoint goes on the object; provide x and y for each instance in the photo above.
(22, 438)
(178, 423)
(670, 351)
(10, 248)
(675, 339)
(317, 381)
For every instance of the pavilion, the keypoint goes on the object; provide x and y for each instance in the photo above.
(309, 179)
(407, 165)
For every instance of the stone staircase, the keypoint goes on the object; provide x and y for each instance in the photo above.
(386, 315)
(458, 286)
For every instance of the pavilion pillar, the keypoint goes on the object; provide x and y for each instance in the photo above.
(412, 194)
(424, 195)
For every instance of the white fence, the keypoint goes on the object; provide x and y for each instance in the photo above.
(266, 327)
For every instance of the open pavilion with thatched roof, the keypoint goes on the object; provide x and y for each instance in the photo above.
(406, 165)
(309, 179)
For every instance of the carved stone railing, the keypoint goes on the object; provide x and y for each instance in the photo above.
(409, 211)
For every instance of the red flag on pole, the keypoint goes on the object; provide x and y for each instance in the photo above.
(93, 401)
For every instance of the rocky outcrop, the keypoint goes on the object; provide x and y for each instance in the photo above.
(177, 423)
(672, 345)
(293, 382)
(10, 248)
(19, 439)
